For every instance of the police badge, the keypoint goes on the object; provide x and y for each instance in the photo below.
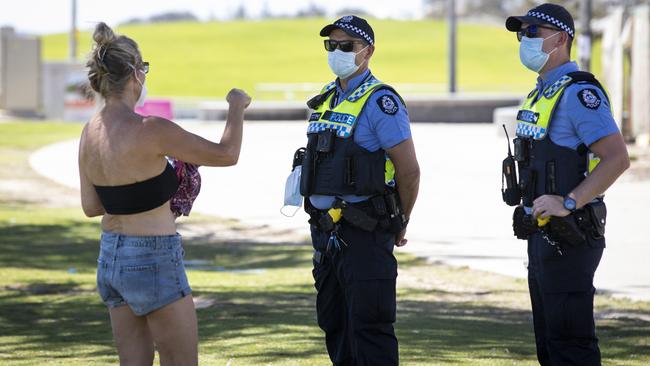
(388, 104)
(589, 98)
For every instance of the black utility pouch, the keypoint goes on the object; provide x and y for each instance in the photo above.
(325, 141)
(357, 217)
(597, 214)
(308, 168)
(521, 150)
(527, 183)
(396, 218)
(522, 223)
(298, 158)
(566, 230)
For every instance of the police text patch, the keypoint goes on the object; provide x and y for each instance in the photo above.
(314, 117)
(528, 116)
(589, 98)
(388, 104)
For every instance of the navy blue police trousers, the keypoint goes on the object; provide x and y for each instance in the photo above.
(562, 296)
(356, 298)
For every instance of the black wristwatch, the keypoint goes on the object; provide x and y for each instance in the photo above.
(570, 204)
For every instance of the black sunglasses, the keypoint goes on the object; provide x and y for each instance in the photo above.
(345, 46)
(145, 67)
(531, 31)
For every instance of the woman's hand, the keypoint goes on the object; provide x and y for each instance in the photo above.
(238, 98)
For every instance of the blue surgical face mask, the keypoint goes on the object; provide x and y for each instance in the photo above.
(343, 63)
(292, 195)
(531, 53)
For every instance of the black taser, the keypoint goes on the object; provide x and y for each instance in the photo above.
(511, 193)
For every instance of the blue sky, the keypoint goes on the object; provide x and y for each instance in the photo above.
(50, 16)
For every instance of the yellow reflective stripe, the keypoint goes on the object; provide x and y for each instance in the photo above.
(389, 172)
(593, 162)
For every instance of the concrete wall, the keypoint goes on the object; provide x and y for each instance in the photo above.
(20, 69)
(64, 86)
(458, 109)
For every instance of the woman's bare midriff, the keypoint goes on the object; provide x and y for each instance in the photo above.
(156, 222)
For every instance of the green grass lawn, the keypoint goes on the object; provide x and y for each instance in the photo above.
(50, 313)
(207, 59)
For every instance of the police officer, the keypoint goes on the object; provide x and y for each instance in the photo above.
(360, 179)
(568, 151)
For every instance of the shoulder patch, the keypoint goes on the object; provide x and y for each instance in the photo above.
(589, 98)
(388, 104)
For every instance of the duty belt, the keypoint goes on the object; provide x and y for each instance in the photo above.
(368, 215)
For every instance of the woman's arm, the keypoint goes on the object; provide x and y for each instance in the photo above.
(171, 140)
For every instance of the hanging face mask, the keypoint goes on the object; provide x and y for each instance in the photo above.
(292, 195)
(531, 53)
(342, 63)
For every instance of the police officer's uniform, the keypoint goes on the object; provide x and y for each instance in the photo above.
(566, 113)
(346, 164)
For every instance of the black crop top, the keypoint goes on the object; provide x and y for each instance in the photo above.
(140, 196)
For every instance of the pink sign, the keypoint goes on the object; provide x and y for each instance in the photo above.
(156, 107)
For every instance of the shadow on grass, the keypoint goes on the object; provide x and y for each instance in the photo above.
(264, 323)
(57, 246)
(260, 322)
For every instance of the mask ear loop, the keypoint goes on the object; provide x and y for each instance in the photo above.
(135, 73)
(363, 49)
(552, 35)
(291, 215)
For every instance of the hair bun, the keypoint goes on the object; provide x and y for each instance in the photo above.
(110, 62)
(103, 34)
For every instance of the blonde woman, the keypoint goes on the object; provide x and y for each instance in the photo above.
(125, 176)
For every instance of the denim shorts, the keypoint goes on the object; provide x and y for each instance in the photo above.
(143, 272)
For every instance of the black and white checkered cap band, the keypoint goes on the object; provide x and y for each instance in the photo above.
(551, 20)
(357, 31)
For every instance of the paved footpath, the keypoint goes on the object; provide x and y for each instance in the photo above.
(459, 218)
